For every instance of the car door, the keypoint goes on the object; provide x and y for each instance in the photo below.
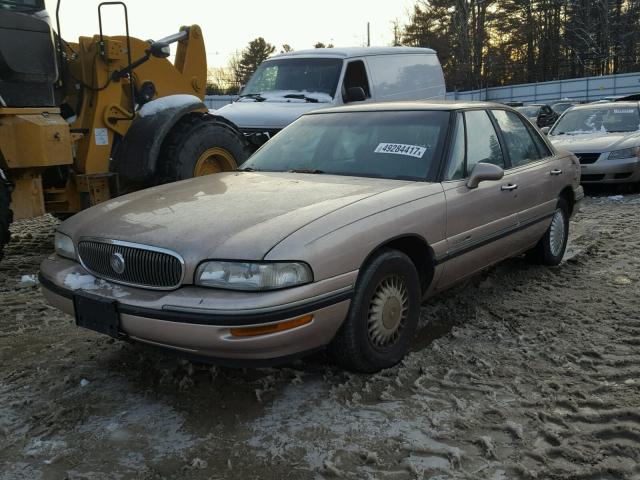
(532, 167)
(478, 220)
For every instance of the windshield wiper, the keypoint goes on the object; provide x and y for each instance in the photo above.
(301, 96)
(256, 96)
(306, 170)
(248, 169)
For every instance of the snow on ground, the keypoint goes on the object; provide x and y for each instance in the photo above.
(522, 372)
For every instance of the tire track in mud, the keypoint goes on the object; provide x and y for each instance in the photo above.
(522, 372)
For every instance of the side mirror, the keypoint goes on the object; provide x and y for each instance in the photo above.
(482, 172)
(355, 94)
(160, 49)
(545, 130)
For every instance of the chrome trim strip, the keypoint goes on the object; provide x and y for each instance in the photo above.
(258, 310)
(139, 246)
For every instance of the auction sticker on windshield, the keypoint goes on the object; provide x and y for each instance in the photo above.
(401, 149)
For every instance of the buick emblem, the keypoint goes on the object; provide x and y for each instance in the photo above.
(117, 263)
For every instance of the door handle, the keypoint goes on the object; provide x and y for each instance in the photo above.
(555, 171)
(511, 186)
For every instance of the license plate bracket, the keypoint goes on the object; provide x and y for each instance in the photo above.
(97, 313)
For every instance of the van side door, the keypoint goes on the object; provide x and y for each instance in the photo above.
(414, 76)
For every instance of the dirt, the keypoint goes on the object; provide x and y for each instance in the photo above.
(523, 372)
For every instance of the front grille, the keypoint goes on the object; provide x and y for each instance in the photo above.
(143, 266)
(586, 158)
(253, 131)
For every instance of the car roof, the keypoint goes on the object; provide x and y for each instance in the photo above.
(444, 105)
(587, 106)
(349, 52)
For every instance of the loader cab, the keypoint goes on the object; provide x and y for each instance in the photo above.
(26, 80)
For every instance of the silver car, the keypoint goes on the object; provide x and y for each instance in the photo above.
(606, 139)
(330, 236)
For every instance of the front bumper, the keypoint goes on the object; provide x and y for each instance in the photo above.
(197, 321)
(625, 170)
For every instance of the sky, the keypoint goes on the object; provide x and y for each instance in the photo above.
(229, 26)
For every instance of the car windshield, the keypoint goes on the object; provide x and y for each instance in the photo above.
(23, 5)
(601, 118)
(401, 145)
(561, 107)
(315, 78)
(531, 111)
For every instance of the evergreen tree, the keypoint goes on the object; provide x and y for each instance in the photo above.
(256, 52)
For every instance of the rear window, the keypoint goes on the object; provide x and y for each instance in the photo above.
(395, 145)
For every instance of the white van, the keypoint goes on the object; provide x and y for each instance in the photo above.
(287, 85)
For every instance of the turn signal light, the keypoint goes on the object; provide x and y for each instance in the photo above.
(274, 328)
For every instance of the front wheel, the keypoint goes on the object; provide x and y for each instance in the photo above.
(383, 316)
(551, 247)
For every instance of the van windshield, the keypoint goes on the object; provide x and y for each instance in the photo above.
(294, 79)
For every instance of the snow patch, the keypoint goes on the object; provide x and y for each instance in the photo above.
(279, 96)
(165, 103)
(77, 281)
(28, 280)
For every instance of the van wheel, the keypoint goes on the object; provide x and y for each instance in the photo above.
(201, 144)
(6, 215)
(550, 249)
(383, 316)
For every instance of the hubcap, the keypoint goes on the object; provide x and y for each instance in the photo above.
(388, 311)
(557, 232)
(214, 160)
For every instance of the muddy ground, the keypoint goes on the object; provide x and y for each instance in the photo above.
(523, 372)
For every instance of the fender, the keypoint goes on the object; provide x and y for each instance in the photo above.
(137, 155)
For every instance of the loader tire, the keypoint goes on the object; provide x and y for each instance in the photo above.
(6, 215)
(201, 144)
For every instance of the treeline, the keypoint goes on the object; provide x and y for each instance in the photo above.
(483, 43)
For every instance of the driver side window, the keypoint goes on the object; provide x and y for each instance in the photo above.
(474, 141)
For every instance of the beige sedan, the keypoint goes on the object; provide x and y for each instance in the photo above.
(330, 236)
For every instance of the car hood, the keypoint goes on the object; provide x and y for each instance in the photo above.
(596, 142)
(271, 115)
(225, 216)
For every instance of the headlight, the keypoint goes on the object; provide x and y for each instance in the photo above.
(625, 153)
(64, 246)
(252, 275)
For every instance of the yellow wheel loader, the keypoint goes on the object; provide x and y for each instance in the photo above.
(83, 122)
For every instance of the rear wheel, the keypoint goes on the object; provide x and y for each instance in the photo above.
(6, 215)
(383, 315)
(550, 249)
(201, 144)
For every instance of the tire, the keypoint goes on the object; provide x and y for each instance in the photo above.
(200, 144)
(549, 251)
(365, 343)
(6, 215)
